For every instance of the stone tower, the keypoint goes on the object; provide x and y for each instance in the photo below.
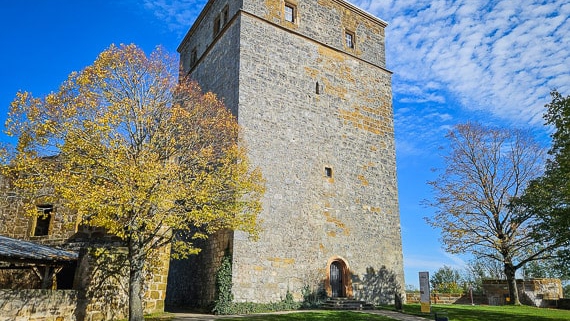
(308, 82)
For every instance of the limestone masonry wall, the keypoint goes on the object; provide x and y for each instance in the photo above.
(535, 292)
(325, 21)
(193, 280)
(37, 305)
(99, 283)
(16, 224)
(317, 119)
(294, 133)
(448, 298)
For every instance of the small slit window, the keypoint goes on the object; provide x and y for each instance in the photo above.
(43, 220)
(349, 39)
(193, 57)
(318, 88)
(328, 172)
(216, 25)
(290, 12)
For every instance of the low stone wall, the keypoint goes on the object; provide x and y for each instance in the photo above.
(102, 281)
(100, 292)
(448, 298)
(38, 305)
(534, 292)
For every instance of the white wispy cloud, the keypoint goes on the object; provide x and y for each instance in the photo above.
(179, 15)
(492, 61)
(501, 57)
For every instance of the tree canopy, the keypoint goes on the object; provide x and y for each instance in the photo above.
(131, 149)
(548, 196)
(485, 169)
(446, 280)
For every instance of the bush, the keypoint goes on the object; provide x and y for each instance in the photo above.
(311, 298)
(224, 296)
(286, 304)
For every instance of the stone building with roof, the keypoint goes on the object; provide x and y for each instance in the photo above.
(308, 82)
(53, 251)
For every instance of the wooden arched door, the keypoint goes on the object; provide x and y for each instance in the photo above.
(337, 280)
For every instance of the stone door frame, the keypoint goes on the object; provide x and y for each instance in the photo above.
(346, 276)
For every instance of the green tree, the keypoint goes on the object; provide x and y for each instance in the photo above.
(485, 169)
(549, 195)
(446, 280)
(131, 149)
(541, 269)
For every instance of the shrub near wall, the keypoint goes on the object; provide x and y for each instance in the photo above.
(38, 305)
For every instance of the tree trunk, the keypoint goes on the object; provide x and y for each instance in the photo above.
(136, 262)
(512, 283)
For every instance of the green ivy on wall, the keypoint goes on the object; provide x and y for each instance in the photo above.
(224, 296)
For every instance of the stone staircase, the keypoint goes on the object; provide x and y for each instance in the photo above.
(346, 304)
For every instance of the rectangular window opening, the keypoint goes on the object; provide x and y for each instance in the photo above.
(216, 25)
(193, 57)
(43, 220)
(328, 172)
(349, 39)
(290, 12)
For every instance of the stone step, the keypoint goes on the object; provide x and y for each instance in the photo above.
(346, 304)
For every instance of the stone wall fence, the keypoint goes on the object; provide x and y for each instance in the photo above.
(447, 298)
(38, 305)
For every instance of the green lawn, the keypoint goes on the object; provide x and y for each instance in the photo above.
(453, 312)
(317, 316)
(294, 316)
(487, 313)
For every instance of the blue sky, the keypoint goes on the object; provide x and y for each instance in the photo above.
(453, 61)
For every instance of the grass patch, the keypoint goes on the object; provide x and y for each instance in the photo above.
(486, 313)
(319, 315)
(162, 316)
(453, 312)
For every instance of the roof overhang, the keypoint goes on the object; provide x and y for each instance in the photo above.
(25, 252)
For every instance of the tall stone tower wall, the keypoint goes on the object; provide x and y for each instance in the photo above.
(325, 21)
(215, 64)
(317, 119)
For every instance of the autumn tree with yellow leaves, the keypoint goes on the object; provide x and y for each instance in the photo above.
(133, 150)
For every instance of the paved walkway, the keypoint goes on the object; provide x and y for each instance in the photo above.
(206, 317)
